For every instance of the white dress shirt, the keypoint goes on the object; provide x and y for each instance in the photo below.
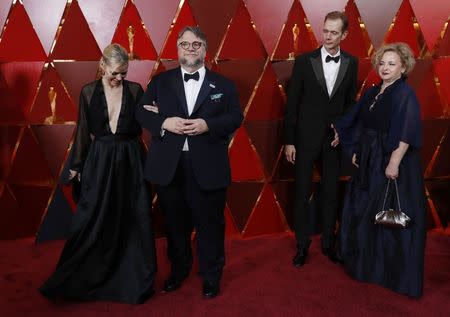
(191, 90)
(330, 69)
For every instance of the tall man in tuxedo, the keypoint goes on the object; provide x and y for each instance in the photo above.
(322, 88)
(191, 112)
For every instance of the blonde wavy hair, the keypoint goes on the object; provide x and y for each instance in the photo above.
(402, 49)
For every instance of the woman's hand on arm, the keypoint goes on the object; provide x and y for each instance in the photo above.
(289, 152)
(355, 160)
(335, 141)
(73, 174)
(153, 108)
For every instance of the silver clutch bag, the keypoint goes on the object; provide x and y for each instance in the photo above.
(391, 217)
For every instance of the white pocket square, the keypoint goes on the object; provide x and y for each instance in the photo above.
(216, 96)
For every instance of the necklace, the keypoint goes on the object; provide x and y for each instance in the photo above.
(385, 85)
(382, 89)
(374, 101)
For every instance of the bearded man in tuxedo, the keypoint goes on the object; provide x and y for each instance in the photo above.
(191, 112)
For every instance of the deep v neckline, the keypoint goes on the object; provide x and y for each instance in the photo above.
(105, 100)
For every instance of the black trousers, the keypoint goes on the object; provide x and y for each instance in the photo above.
(330, 170)
(187, 206)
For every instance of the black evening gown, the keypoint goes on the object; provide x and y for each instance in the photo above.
(374, 253)
(110, 254)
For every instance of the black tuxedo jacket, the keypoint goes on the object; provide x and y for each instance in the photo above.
(309, 109)
(217, 103)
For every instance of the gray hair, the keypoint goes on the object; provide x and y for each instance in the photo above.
(197, 32)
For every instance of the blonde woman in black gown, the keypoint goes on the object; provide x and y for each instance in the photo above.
(110, 254)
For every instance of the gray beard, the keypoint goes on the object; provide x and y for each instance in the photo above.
(197, 63)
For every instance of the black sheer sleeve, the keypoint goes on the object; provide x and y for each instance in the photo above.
(148, 119)
(136, 94)
(406, 124)
(82, 136)
(136, 90)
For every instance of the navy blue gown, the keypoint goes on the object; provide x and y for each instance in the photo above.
(374, 253)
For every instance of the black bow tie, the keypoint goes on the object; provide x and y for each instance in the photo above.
(334, 59)
(194, 76)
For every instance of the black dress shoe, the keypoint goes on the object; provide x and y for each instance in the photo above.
(173, 283)
(332, 255)
(211, 289)
(300, 257)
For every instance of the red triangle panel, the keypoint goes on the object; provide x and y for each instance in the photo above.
(213, 18)
(140, 71)
(422, 80)
(19, 87)
(230, 227)
(267, 139)
(266, 217)
(357, 41)
(19, 41)
(157, 22)
(244, 73)
(52, 103)
(296, 37)
(84, 48)
(54, 142)
(131, 34)
(268, 102)
(241, 199)
(8, 140)
(442, 71)
(11, 219)
(269, 29)
(32, 203)
(75, 75)
(22, 171)
(184, 18)
(245, 164)
(431, 18)
(403, 29)
(241, 40)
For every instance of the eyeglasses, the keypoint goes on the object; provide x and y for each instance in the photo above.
(186, 45)
(114, 74)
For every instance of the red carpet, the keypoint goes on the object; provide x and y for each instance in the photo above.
(259, 280)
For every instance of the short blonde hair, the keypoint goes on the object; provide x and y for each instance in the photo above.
(112, 53)
(402, 49)
(115, 53)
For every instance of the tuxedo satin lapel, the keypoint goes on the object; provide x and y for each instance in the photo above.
(316, 62)
(177, 82)
(203, 93)
(345, 61)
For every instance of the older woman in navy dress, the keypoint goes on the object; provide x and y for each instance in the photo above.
(383, 136)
